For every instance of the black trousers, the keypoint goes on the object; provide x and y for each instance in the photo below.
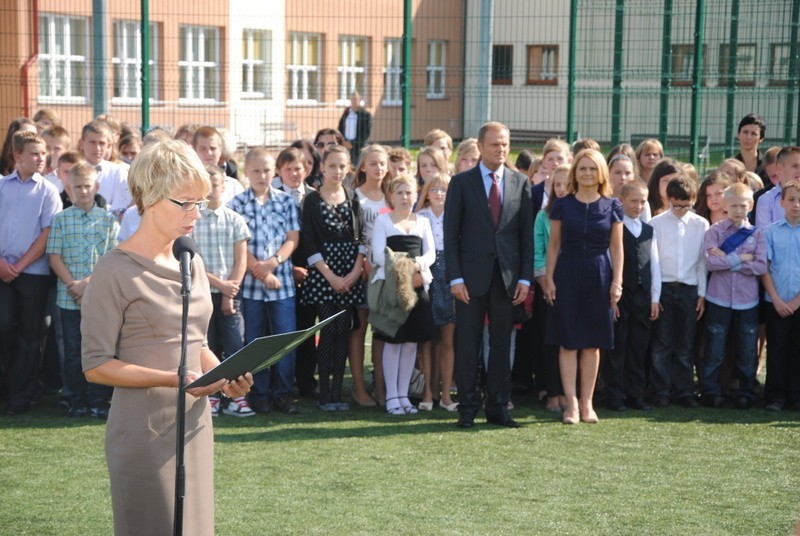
(469, 329)
(22, 307)
(306, 358)
(783, 357)
(623, 367)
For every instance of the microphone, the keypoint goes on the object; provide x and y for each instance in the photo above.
(184, 249)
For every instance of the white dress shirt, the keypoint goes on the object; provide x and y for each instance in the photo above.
(113, 181)
(680, 248)
(634, 226)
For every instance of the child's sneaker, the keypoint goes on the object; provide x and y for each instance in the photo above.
(214, 401)
(238, 407)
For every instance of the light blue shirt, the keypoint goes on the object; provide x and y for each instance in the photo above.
(783, 254)
(769, 209)
(26, 210)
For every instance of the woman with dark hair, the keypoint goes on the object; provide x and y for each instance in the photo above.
(7, 156)
(313, 161)
(327, 137)
(752, 130)
(666, 170)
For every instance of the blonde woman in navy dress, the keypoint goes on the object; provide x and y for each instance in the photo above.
(583, 278)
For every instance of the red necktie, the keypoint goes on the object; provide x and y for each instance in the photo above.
(494, 199)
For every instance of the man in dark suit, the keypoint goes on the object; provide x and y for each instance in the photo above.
(355, 125)
(488, 244)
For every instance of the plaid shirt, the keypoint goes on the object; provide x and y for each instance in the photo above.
(268, 223)
(216, 234)
(81, 238)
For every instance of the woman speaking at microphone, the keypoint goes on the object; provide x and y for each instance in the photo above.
(131, 329)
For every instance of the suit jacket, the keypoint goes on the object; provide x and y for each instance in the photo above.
(471, 242)
(537, 198)
(363, 125)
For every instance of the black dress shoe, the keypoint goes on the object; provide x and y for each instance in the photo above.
(616, 405)
(742, 402)
(466, 421)
(286, 405)
(261, 406)
(662, 401)
(687, 401)
(503, 420)
(640, 404)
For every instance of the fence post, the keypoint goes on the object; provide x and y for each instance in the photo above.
(145, 33)
(99, 69)
(733, 45)
(573, 33)
(666, 73)
(616, 98)
(405, 76)
(791, 87)
(697, 78)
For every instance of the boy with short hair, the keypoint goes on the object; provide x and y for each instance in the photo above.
(399, 161)
(736, 257)
(28, 204)
(65, 163)
(57, 141)
(207, 143)
(623, 368)
(782, 286)
(221, 235)
(95, 141)
(679, 234)
(770, 205)
(268, 290)
(80, 236)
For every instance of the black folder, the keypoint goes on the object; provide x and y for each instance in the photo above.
(261, 353)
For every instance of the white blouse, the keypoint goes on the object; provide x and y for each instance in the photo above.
(384, 228)
(437, 226)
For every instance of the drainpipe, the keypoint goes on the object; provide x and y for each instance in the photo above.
(26, 67)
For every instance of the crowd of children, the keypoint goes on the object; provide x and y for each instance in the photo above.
(711, 271)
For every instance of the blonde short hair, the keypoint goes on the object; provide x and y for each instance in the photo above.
(603, 186)
(738, 189)
(82, 170)
(163, 169)
(402, 179)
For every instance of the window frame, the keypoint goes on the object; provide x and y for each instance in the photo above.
(772, 48)
(509, 68)
(392, 72)
(136, 61)
(684, 82)
(199, 64)
(723, 64)
(438, 71)
(540, 80)
(347, 75)
(250, 64)
(297, 91)
(49, 20)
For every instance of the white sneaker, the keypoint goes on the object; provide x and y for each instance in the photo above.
(214, 402)
(238, 407)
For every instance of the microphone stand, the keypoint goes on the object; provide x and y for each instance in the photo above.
(180, 469)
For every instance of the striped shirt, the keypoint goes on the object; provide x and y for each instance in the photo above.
(216, 234)
(268, 223)
(81, 238)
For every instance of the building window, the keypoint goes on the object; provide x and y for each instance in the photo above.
(303, 63)
(352, 66)
(542, 68)
(392, 92)
(199, 64)
(683, 65)
(63, 58)
(745, 64)
(436, 69)
(257, 64)
(502, 65)
(779, 60)
(127, 61)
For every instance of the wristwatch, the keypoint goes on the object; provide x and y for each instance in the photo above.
(278, 258)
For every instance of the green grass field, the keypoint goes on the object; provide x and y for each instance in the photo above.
(671, 471)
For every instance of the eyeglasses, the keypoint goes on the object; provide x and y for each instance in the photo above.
(681, 207)
(322, 144)
(438, 190)
(188, 206)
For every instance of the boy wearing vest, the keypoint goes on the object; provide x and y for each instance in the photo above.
(623, 368)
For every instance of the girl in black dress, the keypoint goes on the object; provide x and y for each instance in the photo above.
(404, 231)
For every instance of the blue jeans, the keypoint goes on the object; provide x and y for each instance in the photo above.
(271, 318)
(719, 321)
(674, 341)
(225, 332)
(82, 393)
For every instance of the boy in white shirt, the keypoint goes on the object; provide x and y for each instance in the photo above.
(112, 178)
(679, 234)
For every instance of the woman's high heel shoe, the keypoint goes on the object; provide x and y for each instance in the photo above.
(425, 406)
(449, 407)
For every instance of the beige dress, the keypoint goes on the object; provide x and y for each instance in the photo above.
(132, 310)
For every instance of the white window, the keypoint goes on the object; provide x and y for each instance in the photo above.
(352, 66)
(257, 64)
(436, 63)
(199, 64)
(303, 65)
(392, 95)
(127, 61)
(63, 58)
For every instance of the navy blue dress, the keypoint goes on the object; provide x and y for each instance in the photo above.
(582, 316)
